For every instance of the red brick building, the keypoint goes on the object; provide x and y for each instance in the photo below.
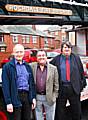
(34, 39)
(59, 33)
(79, 39)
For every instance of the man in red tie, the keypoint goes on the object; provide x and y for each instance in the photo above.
(71, 77)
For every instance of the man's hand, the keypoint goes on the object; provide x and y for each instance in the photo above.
(33, 103)
(10, 108)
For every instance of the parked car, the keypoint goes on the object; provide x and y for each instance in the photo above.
(84, 60)
(30, 55)
(51, 54)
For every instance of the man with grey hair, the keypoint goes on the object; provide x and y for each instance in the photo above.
(18, 86)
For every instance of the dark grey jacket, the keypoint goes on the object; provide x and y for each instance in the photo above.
(78, 80)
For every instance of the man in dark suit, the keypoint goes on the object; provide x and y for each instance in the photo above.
(71, 82)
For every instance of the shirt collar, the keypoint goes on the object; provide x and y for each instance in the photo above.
(16, 62)
(39, 65)
(64, 57)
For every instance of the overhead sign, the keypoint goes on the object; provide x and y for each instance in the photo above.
(37, 9)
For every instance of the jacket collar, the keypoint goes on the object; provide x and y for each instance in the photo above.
(13, 62)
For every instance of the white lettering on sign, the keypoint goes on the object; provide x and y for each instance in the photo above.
(36, 9)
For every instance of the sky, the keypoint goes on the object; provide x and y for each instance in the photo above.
(45, 27)
(42, 27)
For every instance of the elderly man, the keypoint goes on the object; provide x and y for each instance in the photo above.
(18, 86)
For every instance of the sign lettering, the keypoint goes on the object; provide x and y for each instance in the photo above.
(37, 10)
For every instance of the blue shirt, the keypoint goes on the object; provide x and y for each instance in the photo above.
(22, 76)
(63, 68)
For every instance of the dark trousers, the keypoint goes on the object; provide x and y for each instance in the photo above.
(23, 112)
(67, 92)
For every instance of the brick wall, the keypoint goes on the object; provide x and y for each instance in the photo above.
(4, 56)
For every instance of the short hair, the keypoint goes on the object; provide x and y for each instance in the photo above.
(17, 46)
(41, 50)
(67, 43)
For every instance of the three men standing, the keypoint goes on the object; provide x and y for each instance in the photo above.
(19, 86)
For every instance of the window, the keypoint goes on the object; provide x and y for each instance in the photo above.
(63, 38)
(72, 38)
(15, 39)
(56, 33)
(23, 39)
(27, 39)
(34, 39)
(1, 38)
(45, 40)
(2, 49)
(52, 33)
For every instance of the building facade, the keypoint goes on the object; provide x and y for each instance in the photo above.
(29, 37)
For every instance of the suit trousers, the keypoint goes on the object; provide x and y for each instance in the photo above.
(49, 109)
(67, 93)
(23, 112)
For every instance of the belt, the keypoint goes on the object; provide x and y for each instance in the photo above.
(22, 91)
(66, 83)
(41, 93)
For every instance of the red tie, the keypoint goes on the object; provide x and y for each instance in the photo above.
(67, 69)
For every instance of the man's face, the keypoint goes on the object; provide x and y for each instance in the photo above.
(41, 57)
(66, 50)
(18, 52)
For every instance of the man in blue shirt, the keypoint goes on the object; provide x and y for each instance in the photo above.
(71, 82)
(18, 86)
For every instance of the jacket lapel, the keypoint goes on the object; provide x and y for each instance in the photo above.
(34, 68)
(72, 63)
(48, 71)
